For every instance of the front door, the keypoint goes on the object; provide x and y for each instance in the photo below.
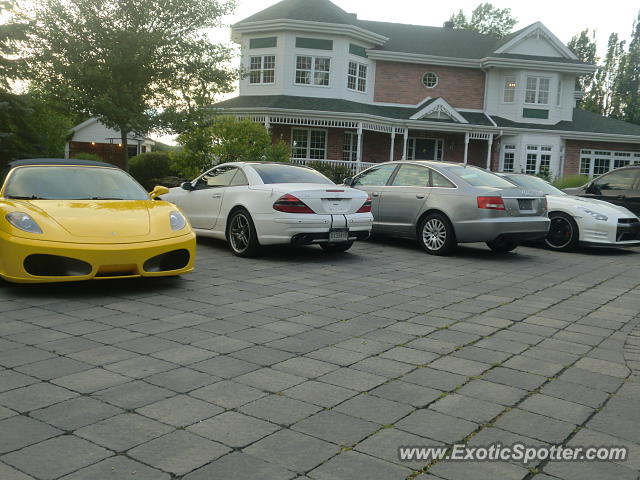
(425, 149)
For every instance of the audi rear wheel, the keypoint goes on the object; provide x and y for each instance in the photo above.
(436, 235)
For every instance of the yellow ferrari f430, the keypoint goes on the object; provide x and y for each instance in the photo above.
(66, 220)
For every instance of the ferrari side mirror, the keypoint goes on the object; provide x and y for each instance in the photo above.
(157, 191)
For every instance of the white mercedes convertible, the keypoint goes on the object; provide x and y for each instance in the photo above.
(579, 220)
(254, 204)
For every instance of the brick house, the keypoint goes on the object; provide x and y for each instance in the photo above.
(353, 92)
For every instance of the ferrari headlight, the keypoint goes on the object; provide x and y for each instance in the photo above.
(596, 215)
(23, 222)
(177, 220)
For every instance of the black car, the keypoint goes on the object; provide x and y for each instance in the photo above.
(621, 186)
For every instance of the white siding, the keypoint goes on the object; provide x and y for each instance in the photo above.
(535, 45)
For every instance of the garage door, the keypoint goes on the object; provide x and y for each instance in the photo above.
(598, 162)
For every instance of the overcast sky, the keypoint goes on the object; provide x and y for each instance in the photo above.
(564, 18)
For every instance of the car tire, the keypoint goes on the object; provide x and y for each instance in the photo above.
(242, 235)
(336, 247)
(436, 235)
(563, 233)
(502, 246)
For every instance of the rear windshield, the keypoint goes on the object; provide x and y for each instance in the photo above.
(270, 173)
(73, 183)
(477, 177)
(535, 183)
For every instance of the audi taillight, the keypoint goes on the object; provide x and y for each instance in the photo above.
(291, 204)
(491, 203)
(366, 206)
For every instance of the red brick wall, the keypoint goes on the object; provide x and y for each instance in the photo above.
(573, 147)
(402, 83)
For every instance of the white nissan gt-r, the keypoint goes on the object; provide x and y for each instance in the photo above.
(579, 220)
(254, 204)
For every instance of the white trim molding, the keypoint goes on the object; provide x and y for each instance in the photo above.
(439, 106)
(538, 29)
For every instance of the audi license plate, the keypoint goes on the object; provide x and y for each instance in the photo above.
(339, 235)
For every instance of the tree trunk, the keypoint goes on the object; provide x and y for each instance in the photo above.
(125, 152)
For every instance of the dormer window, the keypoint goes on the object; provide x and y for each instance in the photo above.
(311, 70)
(509, 94)
(537, 90)
(357, 77)
(262, 69)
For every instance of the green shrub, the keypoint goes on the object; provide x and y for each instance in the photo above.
(87, 156)
(337, 173)
(571, 181)
(148, 167)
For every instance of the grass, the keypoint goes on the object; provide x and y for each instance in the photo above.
(571, 181)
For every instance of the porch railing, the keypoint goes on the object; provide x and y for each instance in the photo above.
(351, 166)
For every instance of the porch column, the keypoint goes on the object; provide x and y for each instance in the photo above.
(359, 149)
(404, 146)
(466, 147)
(393, 144)
(489, 145)
(267, 122)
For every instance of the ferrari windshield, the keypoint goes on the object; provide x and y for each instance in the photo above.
(72, 183)
(534, 183)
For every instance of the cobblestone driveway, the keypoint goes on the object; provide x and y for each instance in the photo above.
(304, 365)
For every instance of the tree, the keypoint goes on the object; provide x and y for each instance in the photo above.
(124, 61)
(628, 86)
(485, 19)
(601, 98)
(226, 139)
(584, 47)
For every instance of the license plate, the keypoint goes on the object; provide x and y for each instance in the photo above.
(339, 235)
(525, 205)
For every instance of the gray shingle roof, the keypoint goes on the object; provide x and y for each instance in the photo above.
(311, 10)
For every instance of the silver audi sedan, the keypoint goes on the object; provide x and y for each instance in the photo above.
(443, 204)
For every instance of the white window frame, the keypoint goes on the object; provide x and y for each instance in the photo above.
(411, 147)
(261, 69)
(357, 78)
(508, 149)
(506, 88)
(542, 155)
(312, 71)
(308, 140)
(537, 90)
(430, 72)
(616, 159)
(350, 147)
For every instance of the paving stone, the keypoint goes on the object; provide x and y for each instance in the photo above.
(90, 380)
(589, 471)
(339, 356)
(409, 355)
(10, 473)
(468, 408)
(279, 409)
(481, 470)
(178, 452)
(556, 408)
(228, 394)
(56, 457)
(102, 355)
(537, 426)
(233, 429)
(241, 465)
(269, 380)
(184, 355)
(383, 367)
(293, 450)
(515, 378)
(53, 368)
(576, 393)
(460, 366)
(117, 467)
(225, 367)
(319, 393)
(75, 413)
(22, 356)
(122, 432)
(182, 380)
(350, 465)
(532, 365)
(374, 409)
(35, 396)
(590, 379)
(305, 367)
(386, 443)
(140, 366)
(180, 411)
(435, 425)
(351, 378)
(336, 427)
(603, 367)
(432, 378)
(10, 380)
(133, 395)
(21, 431)
(408, 393)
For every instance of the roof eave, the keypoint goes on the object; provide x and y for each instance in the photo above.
(307, 26)
(581, 68)
(405, 57)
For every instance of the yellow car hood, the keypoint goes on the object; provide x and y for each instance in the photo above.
(95, 221)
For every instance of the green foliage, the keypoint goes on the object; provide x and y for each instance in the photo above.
(87, 156)
(545, 174)
(485, 19)
(628, 84)
(124, 61)
(337, 173)
(13, 30)
(571, 181)
(226, 139)
(148, 168)
(584, 47)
